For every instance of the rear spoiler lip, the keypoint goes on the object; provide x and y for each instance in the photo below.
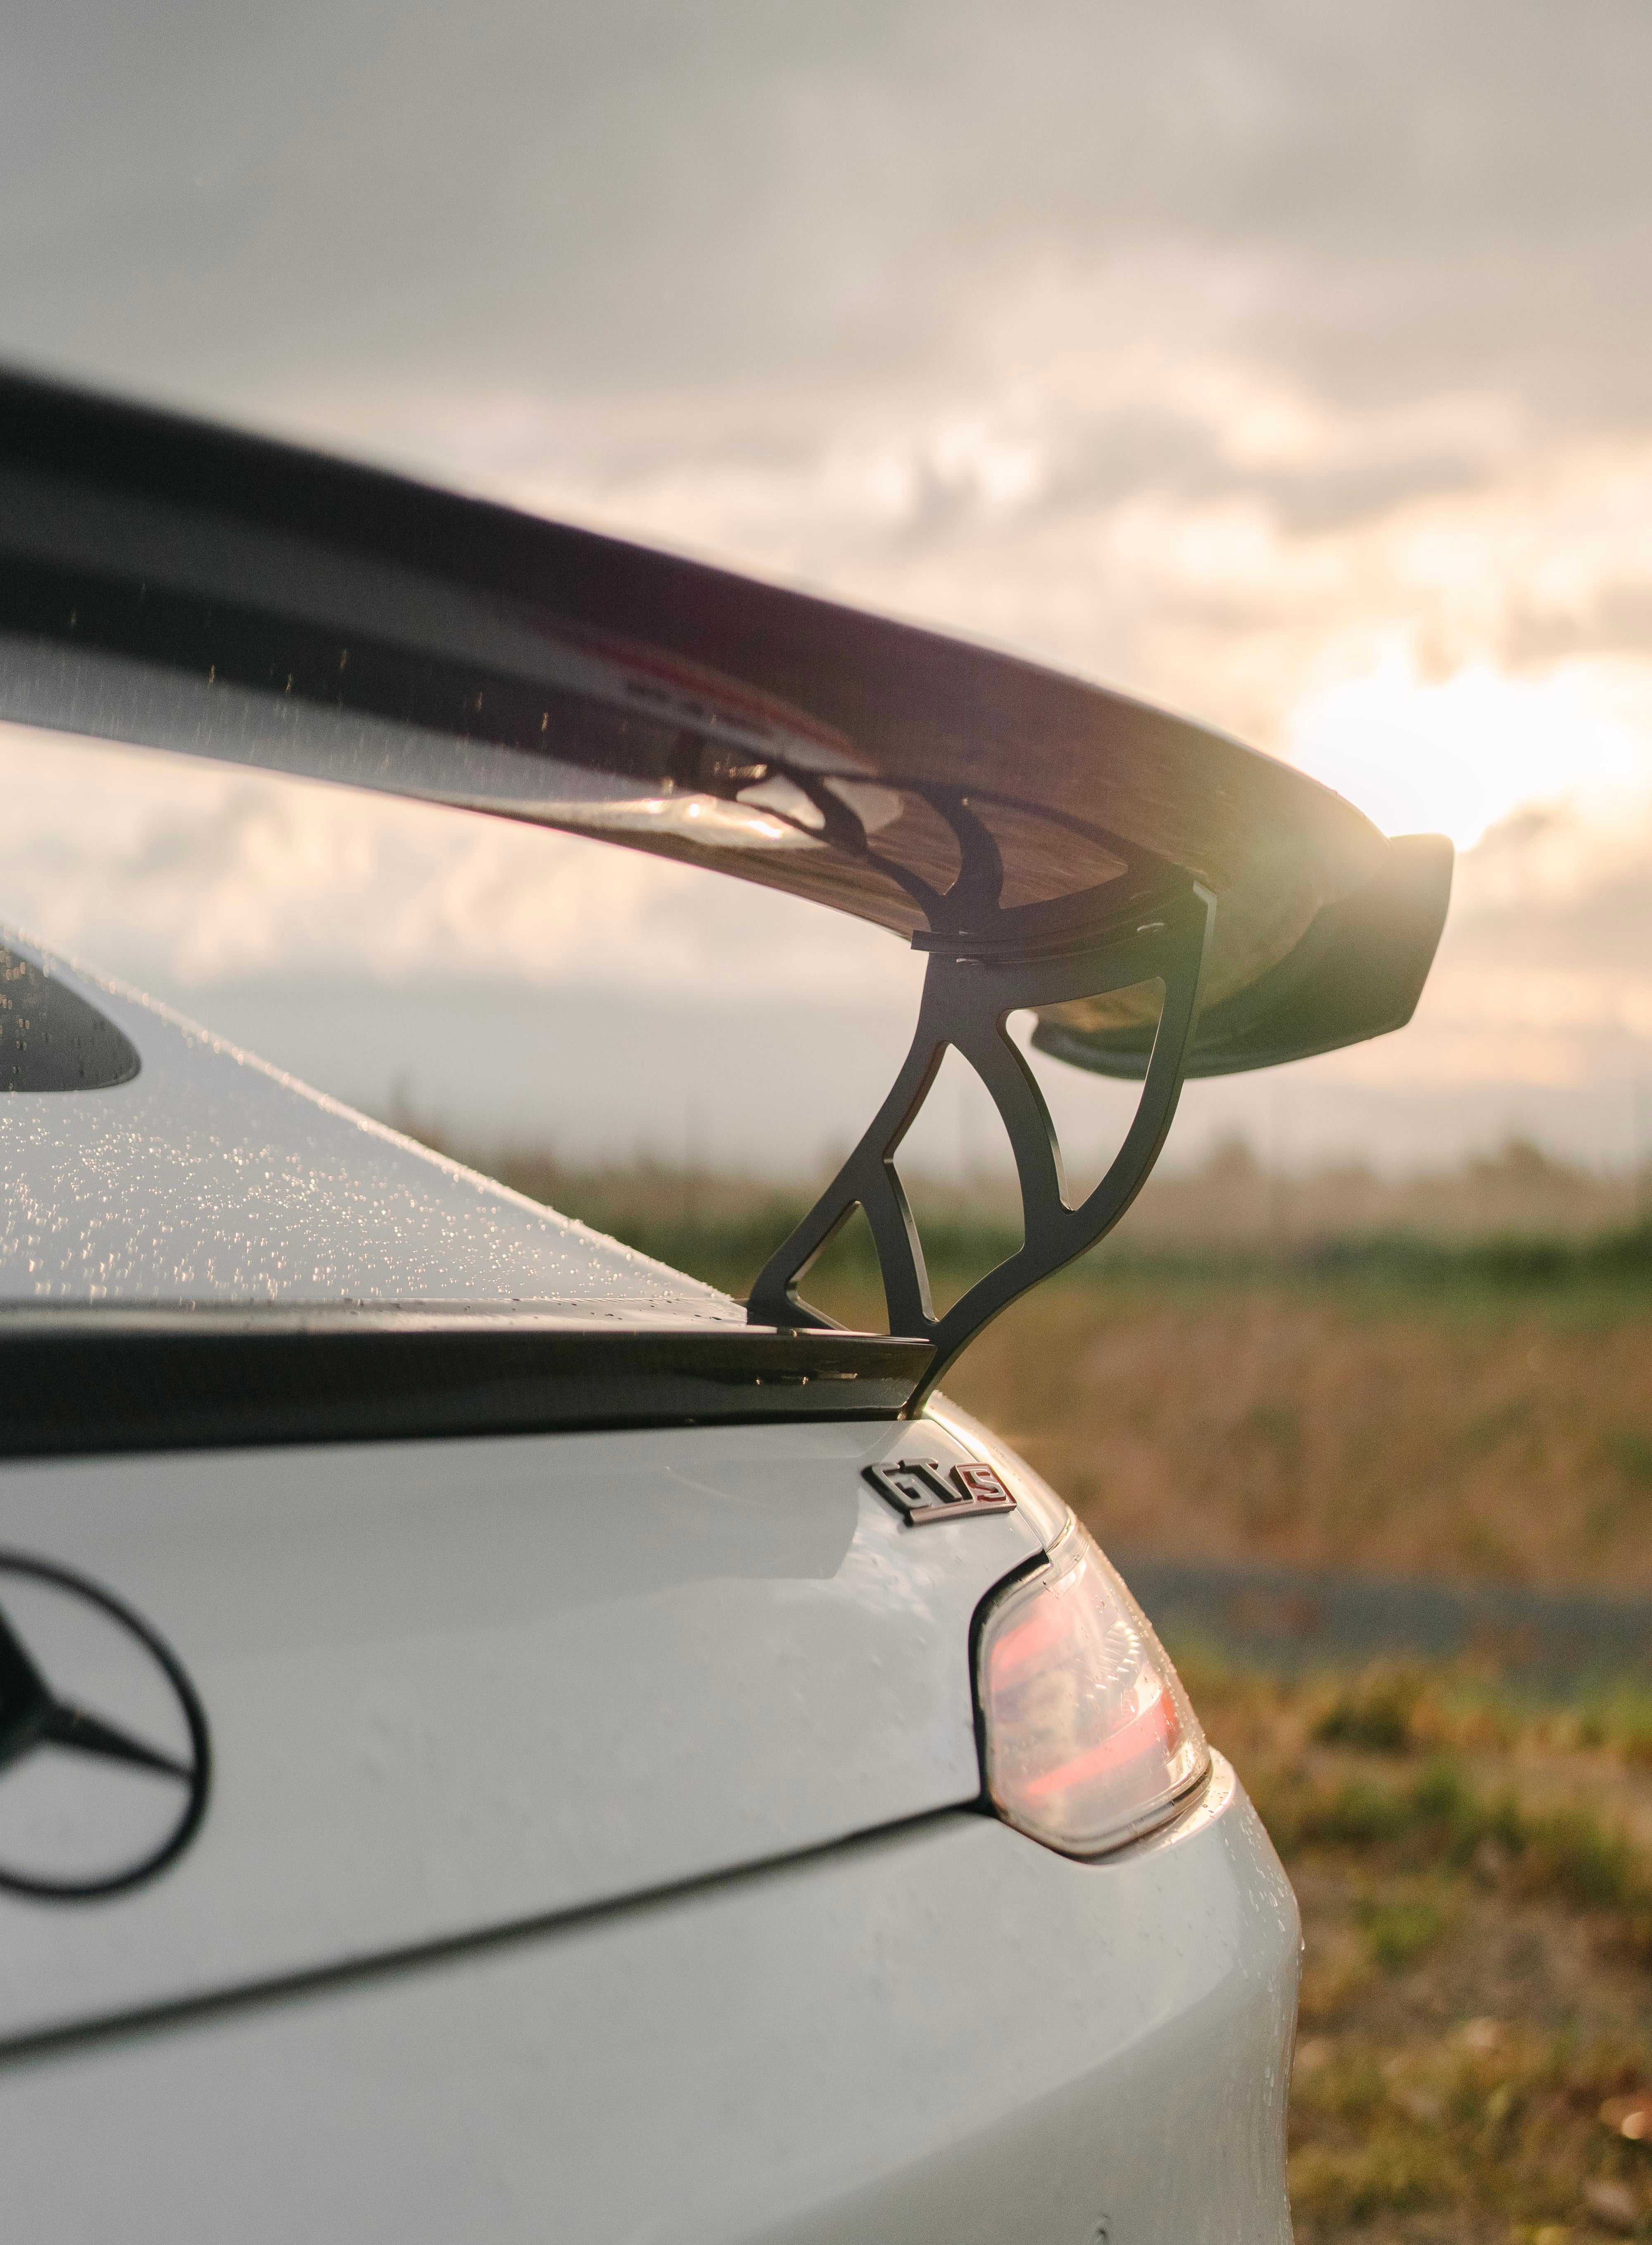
(77, 1381)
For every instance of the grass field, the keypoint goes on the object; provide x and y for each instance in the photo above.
(1474, 2057)
(1415, 1425)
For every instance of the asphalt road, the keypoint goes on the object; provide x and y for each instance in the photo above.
(1293, 1619)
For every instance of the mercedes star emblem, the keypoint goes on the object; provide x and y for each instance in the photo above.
(90, 1804)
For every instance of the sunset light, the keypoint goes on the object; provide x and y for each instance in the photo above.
(1458, 755)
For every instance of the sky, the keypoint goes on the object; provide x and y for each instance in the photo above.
(1287, 365)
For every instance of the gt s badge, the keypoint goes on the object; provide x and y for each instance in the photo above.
(920, 1490)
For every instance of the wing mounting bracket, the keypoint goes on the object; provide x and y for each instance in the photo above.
(974, 983)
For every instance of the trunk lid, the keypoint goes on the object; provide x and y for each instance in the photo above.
(456, 1686)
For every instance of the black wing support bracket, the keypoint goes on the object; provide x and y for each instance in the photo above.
(973, 984)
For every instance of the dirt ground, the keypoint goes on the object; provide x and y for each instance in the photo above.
(1474, 2059)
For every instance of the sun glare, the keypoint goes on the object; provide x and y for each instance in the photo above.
(1457, 754)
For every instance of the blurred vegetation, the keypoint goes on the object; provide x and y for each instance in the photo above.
(1474, 2060)
(1192, 1231)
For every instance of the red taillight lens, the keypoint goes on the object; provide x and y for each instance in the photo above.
(1090, 1737)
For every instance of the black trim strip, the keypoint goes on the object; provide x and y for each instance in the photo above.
(81, 1382)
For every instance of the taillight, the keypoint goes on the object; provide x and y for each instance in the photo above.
(1090, 1739)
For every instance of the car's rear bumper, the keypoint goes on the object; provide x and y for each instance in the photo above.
(942, 2032)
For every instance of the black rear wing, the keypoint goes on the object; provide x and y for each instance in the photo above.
(1166, 901)
(1357, 973)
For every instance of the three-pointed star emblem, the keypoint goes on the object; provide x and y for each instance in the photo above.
(36, 1717)
(32, 1715)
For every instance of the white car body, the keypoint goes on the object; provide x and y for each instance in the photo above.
(596, 1846)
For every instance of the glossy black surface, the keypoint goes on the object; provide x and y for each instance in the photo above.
(52, 1039)
(76, 1381)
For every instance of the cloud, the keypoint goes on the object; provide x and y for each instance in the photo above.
(637, 193)
(1291, 366)
(1213, 354)
(180, 876)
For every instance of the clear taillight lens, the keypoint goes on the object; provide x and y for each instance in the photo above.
(1089, 1736)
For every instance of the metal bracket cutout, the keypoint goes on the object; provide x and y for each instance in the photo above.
(971, 988)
